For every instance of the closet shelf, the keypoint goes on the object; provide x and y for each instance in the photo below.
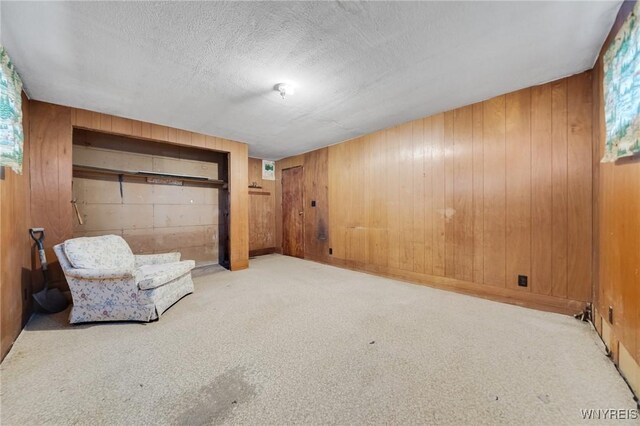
(88, 170)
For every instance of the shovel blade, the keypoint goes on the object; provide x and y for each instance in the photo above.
(51, 300)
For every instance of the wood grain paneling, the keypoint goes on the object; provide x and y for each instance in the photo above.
(579, 166)
(51, 177)
(15, 244)
(293, 212)
(391, 169)
(376, 201)
(478, 194)
(541, 190)
(428, 208)
(471, 198)
(51, 171)
(262, 205)
(406, 194)
(559, 156)
(316, 219)
(616, 225)
(439, 213)
(339, 218)
(239, 203)
(494, 191)
(417, 233)
(518, 187)
(463, 193)
(449, 190)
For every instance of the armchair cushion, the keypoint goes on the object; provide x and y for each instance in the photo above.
(155, 259)
(153, 276)
(103, 252)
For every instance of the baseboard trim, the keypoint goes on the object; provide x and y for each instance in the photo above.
(629, 369)
(627, 366)
(498, 294)
(262, 252)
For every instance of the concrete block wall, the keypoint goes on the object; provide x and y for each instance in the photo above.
(152, 218)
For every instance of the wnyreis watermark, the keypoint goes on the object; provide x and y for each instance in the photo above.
(610, 414)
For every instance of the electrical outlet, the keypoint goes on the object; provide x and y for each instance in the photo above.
(523, 280)
(330, 250)
(611, 315)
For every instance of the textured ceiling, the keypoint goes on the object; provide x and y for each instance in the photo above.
(359, 67)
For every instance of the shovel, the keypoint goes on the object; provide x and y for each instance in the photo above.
(49, 299)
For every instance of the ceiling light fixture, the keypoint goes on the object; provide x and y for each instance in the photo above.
(285, 89)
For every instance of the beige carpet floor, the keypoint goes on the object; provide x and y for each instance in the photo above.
(295, 342)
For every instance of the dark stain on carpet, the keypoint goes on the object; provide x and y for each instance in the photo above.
(215, 402)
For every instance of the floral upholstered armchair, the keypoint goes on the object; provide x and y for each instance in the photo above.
(109, 283)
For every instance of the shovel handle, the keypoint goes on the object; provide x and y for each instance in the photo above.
(38, 239)
(38, 236)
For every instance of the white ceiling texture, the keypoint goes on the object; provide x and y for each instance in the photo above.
(358, 66)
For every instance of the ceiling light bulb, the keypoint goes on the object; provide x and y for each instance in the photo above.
(285, 89)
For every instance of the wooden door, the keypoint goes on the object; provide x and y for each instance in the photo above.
(293, 212)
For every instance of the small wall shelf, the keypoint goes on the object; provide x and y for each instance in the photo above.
(259, 193)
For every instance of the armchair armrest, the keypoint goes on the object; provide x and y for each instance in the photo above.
(156, 259)
(100, 274)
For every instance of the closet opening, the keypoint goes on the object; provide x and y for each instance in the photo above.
(159, 197)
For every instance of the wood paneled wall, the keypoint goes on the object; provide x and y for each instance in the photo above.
(15, 246)
(51, 169)
(51, 177)
(471, 198)
(617, 254)
(316, 218)
(262, 206)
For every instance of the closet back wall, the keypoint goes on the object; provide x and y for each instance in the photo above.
(468, 199)
(152, 218)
